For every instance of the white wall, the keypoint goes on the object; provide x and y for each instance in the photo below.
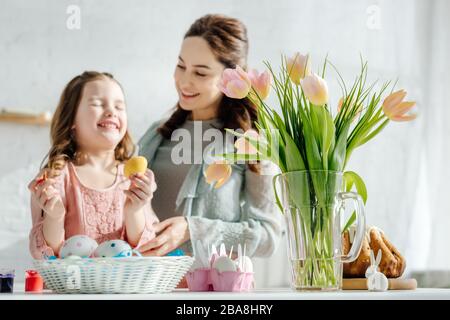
(138, 41)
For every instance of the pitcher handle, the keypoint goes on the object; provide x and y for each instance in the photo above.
(360, 222)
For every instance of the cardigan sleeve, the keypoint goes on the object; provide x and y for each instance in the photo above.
(261, 223)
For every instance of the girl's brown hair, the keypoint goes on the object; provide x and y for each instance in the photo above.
(64, 145)
(227, 38)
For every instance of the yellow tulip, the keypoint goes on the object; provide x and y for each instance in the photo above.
(298, 67)
(315, 89)
(218, 172)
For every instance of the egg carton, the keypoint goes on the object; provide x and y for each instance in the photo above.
(218, 272)
(210, 279)
(112, 275)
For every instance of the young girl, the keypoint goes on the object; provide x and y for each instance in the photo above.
(82, 189)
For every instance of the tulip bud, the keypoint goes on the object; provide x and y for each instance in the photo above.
(298, 67)
(315, 89)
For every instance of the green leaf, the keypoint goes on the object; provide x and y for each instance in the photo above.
(294, 160)
(339, 153)
(372, 134)
(330, 133)
(350, 222)
(298, 188)
(353, 179)
(317, 123)
(312, 149)
(275, 151)
(324, 132)
(278, 121)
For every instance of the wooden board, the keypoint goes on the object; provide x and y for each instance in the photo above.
(41, 119)
(394, 284)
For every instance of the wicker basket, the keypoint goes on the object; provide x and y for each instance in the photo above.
(114, 275)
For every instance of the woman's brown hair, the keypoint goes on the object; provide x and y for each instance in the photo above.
(227, 38)
(63, 143)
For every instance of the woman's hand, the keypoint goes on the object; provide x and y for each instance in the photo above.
(172, 233)
(140, 192)
(48, 197)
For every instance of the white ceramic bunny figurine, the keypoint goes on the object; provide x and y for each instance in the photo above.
(376, 280)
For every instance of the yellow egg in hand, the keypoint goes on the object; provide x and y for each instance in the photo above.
(135, 165)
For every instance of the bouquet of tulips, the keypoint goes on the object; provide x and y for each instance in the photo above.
(306, 138)
(305, 134)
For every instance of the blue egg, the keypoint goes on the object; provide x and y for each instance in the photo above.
(113, 248)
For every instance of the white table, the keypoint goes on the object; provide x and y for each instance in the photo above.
(259, 294)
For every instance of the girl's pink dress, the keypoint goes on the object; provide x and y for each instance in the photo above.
(95, 213)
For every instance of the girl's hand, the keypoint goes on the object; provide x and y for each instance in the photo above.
(48, 197)
(141, 191)
(173, 232)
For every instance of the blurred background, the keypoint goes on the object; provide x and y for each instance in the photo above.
(44, 43)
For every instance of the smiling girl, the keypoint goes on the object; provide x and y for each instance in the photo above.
(82, 188)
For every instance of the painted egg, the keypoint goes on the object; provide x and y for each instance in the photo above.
(135, 165)
(113, 248)
(223, 263)
(80, 245)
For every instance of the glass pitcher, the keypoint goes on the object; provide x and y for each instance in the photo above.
(312, 203)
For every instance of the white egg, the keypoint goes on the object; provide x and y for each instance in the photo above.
(113, 248)
(223, 263)
(79, 245)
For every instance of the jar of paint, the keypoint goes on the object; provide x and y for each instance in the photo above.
(7, 280)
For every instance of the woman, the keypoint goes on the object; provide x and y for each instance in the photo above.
(243, 209)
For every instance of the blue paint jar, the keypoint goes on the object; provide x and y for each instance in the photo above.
(6, 281)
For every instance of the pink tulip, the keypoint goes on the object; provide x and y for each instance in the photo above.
(260, 82)
(298, 67)
(235, 83)
(315, 89)
(218, 172)
(243, 146)
(395, 108)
